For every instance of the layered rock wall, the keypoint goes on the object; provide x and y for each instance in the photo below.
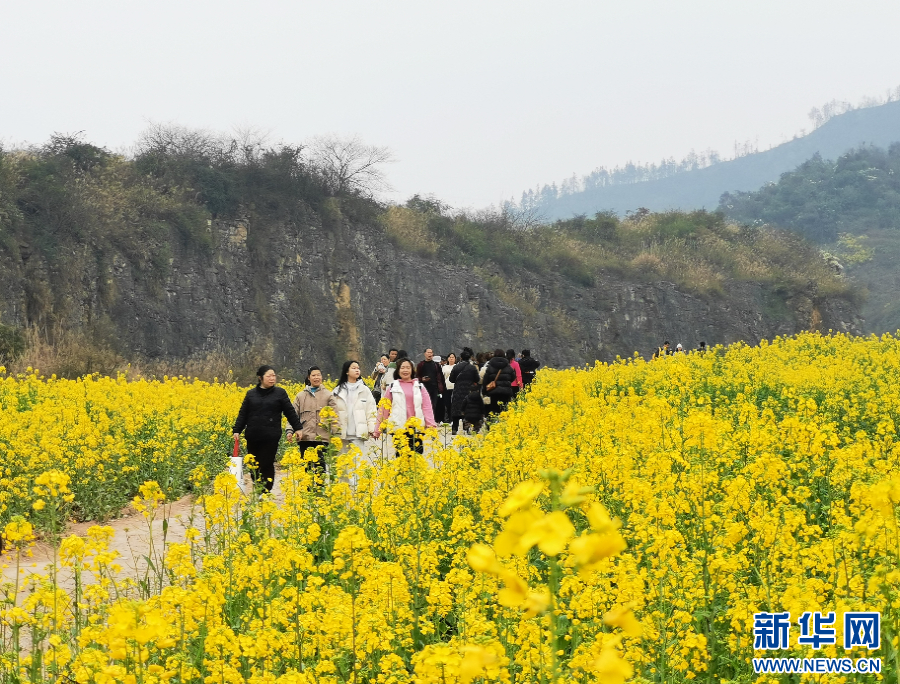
(303, 293)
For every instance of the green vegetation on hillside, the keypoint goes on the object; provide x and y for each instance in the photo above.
(699, 251)
(822, 199)
(850, 206)
(70, 193)
(69, 209)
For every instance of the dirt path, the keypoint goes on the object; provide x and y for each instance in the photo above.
(131, 541)
(133, 537)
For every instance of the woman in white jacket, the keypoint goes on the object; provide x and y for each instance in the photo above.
(356, 407)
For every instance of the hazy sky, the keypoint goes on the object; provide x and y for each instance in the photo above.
(477, 100)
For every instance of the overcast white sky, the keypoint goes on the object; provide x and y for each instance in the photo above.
(477, 100)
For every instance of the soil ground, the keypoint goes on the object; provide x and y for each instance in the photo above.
(133, 536)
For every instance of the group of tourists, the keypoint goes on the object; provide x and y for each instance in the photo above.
(450, 390)
(666, 350)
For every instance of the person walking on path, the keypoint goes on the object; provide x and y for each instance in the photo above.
(662, 351)
(464, 378)
(408, 398)
(355, 406)
(390, 368)
(473, 410)
(432, 379)
(480, 359)
(356, 409)
(309, 403)
(497, 382)
(260, 415)
(447, 396)
(528, 366)
(391, 373)
(517, 383)
(377, 374)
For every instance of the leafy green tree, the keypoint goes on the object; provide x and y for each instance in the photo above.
(821, 199)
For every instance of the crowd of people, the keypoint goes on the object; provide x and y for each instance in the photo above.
(666, 350)
(459, 391)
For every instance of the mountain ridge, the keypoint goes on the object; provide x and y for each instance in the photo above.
(702, 188)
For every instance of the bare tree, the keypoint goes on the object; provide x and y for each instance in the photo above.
(250, 143)
(523, 217)
(180, 141)
(349, 165)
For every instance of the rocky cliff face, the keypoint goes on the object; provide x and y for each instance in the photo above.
(303, 293)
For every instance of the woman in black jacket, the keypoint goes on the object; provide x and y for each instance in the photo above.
(473, 410)
(502, 375)
(260, 414)
(464, 377)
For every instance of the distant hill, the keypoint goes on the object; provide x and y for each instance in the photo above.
(851, 207)
(702, 188)
(857, 192)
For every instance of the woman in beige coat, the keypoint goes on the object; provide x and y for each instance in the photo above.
(308, 404)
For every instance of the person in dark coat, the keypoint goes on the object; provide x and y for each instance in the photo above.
(473, 409)
(431, 376)
(499, 372)
(260, 414)
(528, 366)
(464, 377)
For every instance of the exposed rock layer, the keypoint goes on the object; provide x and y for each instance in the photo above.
(320, 295)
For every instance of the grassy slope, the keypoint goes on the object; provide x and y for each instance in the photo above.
(858, 195)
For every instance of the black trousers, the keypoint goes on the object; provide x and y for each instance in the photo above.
(317, 467)
(409, 437)
(447, 402)
(437, 408)
(264, 450)
(496, 406)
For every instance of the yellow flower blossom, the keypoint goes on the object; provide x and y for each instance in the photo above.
(624, 617)
(609, 666)
(509, 541)
(475, 660)
(520, 497)
(517, 594)
(550, 533)
(589, 550)
(759, 478)
(481, 558)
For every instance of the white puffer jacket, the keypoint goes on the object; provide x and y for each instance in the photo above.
(398, 415)
(364, 411)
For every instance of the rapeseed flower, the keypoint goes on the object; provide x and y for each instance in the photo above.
(759, 478)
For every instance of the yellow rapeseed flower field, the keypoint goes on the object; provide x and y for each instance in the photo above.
(621, 522)
(109, 436)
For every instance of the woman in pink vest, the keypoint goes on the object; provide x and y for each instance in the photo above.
(408, 398)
